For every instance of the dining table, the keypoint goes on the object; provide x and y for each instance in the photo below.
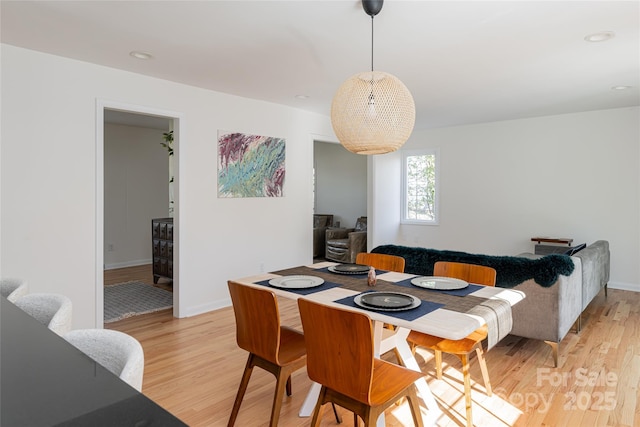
(448, 313)
(46, 381)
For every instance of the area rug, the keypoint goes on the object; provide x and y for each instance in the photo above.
(133, 298)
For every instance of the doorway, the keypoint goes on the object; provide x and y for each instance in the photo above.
(340, 184)
(127, 195)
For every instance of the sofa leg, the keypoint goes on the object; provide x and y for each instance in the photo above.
(554, 351)
(606, 287)
(579, 324)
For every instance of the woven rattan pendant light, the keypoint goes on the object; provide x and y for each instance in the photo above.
(372, 112)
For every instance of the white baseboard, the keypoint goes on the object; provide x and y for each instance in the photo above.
(127, 264)
(634, 287)
(204, 308)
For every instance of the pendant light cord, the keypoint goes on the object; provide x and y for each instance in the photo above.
(372, 45)
(371, 101)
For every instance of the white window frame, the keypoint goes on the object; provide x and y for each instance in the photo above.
(403, 214)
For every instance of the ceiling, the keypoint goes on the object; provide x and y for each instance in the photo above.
(464, 62)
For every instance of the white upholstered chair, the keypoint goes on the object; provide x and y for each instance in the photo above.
(13, 288)
(118, 352)
(52, 310)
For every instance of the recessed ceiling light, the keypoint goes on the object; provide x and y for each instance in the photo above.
(602, 36)
(302, 96)
(621, 87)
(140, 55)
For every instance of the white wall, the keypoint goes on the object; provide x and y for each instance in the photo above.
(1, 272)
(341, 183)
(573, 175)
(49, 182)
(385, 173)
(136, 189)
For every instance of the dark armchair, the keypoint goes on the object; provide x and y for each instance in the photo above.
(344, 244)
(320, 225)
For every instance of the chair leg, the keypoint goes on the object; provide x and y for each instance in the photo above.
(244, 382)
(370, 417)
(485, 371)
(282, 384)
(335, 413)
(464, 358)
(288, 388)
(438, 355)
(398, 356)
(412, 397)
(317, 411)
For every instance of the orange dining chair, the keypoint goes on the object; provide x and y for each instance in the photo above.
(381, 261)
(340, 357)
(277, 349)
(479, 275)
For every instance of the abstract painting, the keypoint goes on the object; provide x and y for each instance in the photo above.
(250, 165)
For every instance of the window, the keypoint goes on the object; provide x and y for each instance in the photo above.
(420, 187)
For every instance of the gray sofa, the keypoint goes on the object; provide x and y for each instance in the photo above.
(596, 266)
(559, 289)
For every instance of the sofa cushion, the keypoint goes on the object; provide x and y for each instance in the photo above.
(511, 270)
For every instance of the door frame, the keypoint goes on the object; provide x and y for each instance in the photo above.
(178, 119)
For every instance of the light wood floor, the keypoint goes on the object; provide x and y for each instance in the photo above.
(140, 273)
(193, 368)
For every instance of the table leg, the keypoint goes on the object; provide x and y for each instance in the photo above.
(378, 328)
(310, 401)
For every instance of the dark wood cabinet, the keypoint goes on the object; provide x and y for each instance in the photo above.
(162, 240)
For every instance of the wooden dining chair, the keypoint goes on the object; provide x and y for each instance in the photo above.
(479, 275)
(340, 357)
(277, 349)
(472, 273)
(381, 261)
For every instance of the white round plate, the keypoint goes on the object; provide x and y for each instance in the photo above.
(296, 282)
(440, 283)
(387, 301)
